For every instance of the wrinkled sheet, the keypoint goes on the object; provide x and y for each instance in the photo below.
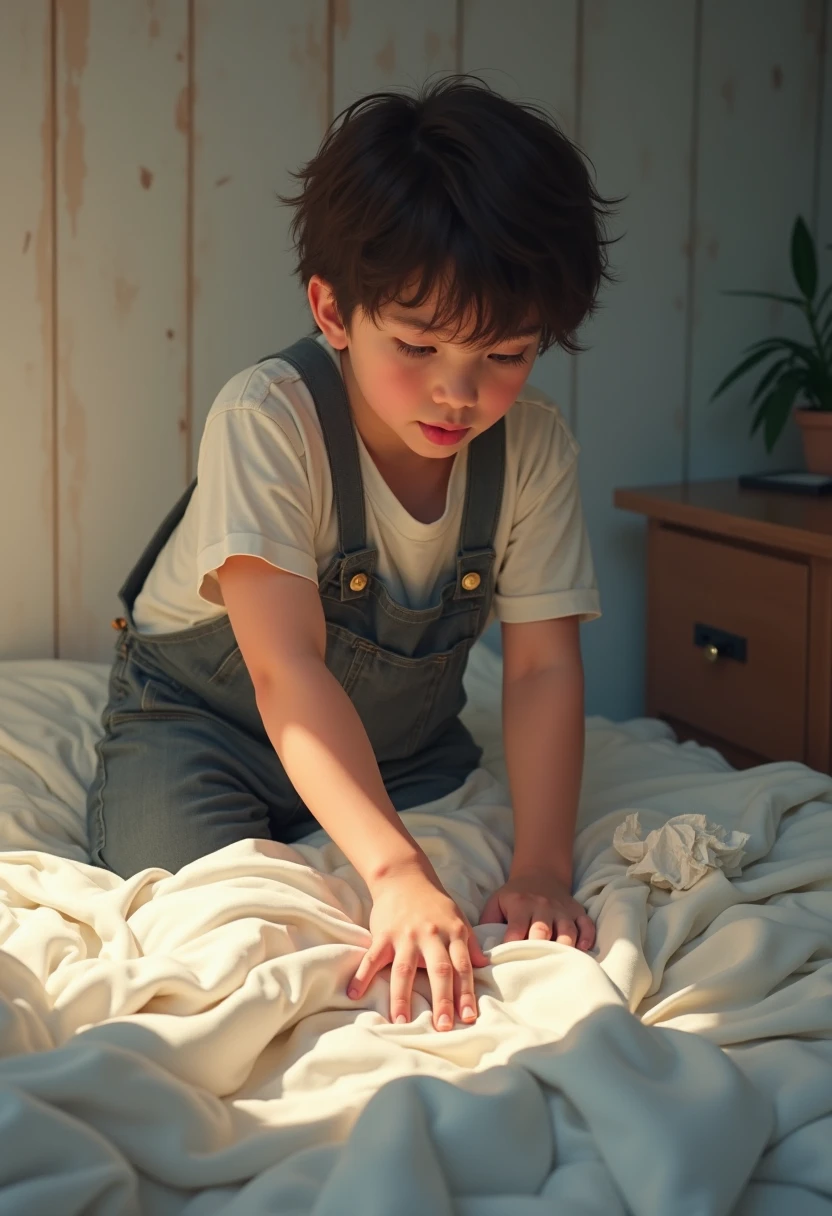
(183, 1043)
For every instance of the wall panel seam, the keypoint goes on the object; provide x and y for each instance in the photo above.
(823, 85)
(579, 88)
(329, 62)
(189, 250)
(687, 386)
(52, 203)
(459, 35)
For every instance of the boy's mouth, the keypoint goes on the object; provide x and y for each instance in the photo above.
(443, 434)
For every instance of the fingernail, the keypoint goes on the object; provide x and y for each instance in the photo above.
(400, 1018)
(444, 1022)
(352, 992)
(467, 1011)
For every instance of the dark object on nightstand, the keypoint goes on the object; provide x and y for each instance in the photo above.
(739, 618)
(788, 481)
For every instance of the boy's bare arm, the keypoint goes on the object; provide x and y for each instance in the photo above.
(543, 729)
(279, 623)
(278, 620)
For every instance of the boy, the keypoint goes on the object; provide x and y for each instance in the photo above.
(296, 631)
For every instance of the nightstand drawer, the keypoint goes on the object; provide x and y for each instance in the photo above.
(754, 607)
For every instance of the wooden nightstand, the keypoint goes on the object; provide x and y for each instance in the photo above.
(739, 618)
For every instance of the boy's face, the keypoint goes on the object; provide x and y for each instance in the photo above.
(405, 385)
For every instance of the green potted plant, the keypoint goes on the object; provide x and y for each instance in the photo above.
(800, 377)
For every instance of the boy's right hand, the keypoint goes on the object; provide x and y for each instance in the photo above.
(415, 923)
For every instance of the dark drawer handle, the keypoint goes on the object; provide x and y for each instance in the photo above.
(718, 644)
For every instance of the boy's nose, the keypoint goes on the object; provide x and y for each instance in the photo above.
(456, 397)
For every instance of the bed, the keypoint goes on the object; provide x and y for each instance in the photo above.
(183, 1044)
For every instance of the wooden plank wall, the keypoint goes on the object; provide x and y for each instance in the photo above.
(27, 324)
(144, 258)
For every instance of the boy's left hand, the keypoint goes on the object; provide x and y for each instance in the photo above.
(539, 906)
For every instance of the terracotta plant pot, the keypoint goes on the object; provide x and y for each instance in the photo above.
(816, 431)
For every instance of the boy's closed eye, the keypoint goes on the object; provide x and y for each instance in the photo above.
(421, 352)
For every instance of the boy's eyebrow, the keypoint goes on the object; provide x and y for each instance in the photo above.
(403, 319)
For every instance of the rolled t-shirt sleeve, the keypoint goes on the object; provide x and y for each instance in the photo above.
(254, 497)
(547, 570)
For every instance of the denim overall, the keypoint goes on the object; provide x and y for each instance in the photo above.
(185, 765)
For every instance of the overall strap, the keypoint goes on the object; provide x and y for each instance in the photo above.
(483, 499)
(324, 382)
(484, 493)
(137, 577)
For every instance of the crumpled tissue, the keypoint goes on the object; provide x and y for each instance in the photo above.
(678, 854)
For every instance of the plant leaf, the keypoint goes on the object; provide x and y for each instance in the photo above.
(772, 343)
(761, 411)
(804, 262)
(775, 422)
(778, 405)
(773, 373)
(769, 295)
(740, 370)
(806, 353)
(759, 416)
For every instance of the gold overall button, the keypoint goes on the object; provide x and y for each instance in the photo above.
(471, 581)
(118, 623)
(358, 582)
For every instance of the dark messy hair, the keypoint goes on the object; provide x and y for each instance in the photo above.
(461, 189)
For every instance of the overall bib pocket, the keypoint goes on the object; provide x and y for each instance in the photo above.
(401, 701)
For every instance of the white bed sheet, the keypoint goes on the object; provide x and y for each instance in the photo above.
(182, 1043)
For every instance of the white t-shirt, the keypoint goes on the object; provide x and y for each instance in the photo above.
(265, 489)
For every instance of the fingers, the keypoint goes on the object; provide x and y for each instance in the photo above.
(492, 913)
(586, 932)
(440, 971)
(565, 931)
(537, 923)
(476, 953)
(450, 970)
(518, 925)
(402, 974)
(463, 964)
(378, 955)
(529, 920)
(541, 926)
(450, 967)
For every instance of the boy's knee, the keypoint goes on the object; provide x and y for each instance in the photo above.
(125, 839)
(126, 856)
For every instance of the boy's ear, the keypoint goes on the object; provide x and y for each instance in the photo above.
(325, 311)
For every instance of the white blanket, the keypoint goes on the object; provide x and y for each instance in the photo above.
(183, 1043)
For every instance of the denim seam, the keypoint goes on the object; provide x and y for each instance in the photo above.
(166, 714)
(427, 661)
(396, 611)
(236, 655)
(352, 675)
(118, 674)
(427, 705)
(97, 845)
(369, 647)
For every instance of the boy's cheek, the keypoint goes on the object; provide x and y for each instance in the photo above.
(400, 393)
